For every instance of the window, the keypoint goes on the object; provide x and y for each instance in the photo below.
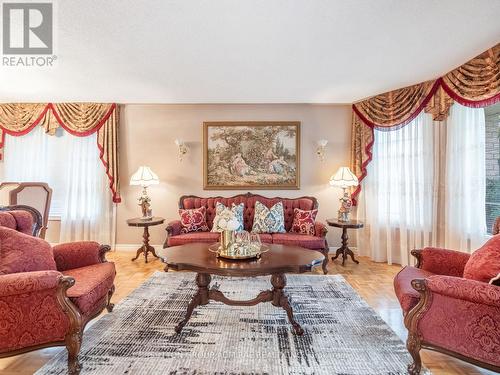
(492, 117)
(70, 165)
(40, 158)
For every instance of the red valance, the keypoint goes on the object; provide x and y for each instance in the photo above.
(79, 119)
(473, 84)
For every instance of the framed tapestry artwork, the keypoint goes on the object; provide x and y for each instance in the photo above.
(251, 155)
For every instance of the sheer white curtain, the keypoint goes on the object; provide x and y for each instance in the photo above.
(425, 187)
(71, 166)
(465, 187)
(396, 201)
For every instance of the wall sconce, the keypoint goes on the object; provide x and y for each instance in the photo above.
(183, 149)
(321, 149)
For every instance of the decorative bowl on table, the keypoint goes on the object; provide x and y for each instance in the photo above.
(239, 250)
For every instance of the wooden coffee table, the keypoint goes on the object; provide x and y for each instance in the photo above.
(280, 259)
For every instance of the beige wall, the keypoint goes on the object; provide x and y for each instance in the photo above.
(147, 137)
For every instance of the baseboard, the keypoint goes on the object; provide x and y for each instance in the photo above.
(133, 247)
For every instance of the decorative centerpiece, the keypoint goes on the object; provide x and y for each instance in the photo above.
(238, 245)
(228, 223)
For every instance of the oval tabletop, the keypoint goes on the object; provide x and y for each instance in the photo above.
(279, 259)
(352, 224)
(139, 222)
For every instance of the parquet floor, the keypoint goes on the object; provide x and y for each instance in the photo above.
(373, 281)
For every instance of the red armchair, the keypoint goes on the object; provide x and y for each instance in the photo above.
(48, 295)
(448, 313)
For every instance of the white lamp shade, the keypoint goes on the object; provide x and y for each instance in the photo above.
(144, 177)
(344, 178)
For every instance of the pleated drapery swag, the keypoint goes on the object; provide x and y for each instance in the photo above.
(78, 119)
(474, 84)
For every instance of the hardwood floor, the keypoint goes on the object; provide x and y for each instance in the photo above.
(373, 281)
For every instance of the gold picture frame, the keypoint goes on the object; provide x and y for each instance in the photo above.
(251, 155)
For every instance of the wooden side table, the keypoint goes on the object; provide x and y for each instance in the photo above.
(146, 247)
(344, 249)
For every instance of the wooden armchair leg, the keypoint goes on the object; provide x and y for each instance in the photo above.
(413, 346)
(411, 320)
(73, 338)
(110, 306)
(326, 252)
(73, 344)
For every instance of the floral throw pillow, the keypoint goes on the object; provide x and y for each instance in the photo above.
(224, 214)
(304, 221)
(268, 220)
(194, 220)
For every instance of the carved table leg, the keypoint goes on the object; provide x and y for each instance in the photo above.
(344, 249)
(139, 252)
(152, 250)
(146, 247)
(280, 299)
(200, 298)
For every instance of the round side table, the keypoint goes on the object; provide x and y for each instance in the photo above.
(344, 249)
(146, 247)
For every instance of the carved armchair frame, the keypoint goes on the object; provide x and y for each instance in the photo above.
(415, 341)
(73, 338)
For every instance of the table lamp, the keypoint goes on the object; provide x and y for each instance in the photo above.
(145, 177)
(344, 179)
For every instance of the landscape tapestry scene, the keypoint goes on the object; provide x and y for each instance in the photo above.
(258, 155)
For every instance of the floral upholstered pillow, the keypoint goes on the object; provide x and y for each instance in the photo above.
(484, 263)
(268, 220)
(194, 220)
(223, 214)
(21, 252)
(304, 221)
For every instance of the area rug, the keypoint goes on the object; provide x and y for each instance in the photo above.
(343, 335)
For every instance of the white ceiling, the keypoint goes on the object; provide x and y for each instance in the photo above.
(251, 51)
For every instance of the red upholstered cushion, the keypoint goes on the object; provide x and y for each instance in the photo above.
(407, 296)
(266, 238)
(206, 237)
(304, 221)
(20, 252)
(193, 220)
(7, 220)
(249, 200)
(181, 239)
(24, 221)
(484, 263)
(20, 220)
(92, 284)
(303, 240)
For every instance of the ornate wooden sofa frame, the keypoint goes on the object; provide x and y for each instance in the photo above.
(317, 242)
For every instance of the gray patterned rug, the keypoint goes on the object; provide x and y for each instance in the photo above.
(343, 335)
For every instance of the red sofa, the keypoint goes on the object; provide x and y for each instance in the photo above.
(448, 313)
(317, 242)
(48, 295)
